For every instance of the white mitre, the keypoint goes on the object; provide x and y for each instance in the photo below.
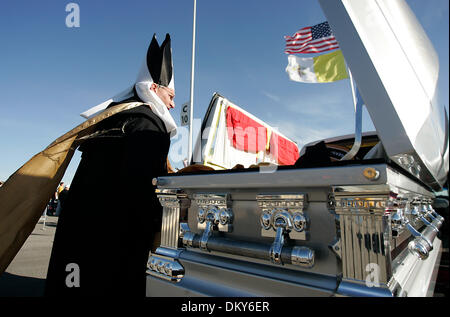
(157, 68)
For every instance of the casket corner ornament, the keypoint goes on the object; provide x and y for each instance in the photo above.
(164, 264)
(380, 234)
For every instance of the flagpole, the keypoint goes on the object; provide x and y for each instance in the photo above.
(358, 122)
(191, 102)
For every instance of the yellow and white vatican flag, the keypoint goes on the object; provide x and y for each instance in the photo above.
(320, 69)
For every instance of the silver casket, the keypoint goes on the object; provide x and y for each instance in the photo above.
(351, 228)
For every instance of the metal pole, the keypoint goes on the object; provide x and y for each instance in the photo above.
(191, 102)
(352, 85)
(358, 122)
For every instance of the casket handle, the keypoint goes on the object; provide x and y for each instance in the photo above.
(297, 255)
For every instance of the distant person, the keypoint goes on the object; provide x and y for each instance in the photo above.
(111, 212)
(60, 188)
(61, 199)
(53, 203)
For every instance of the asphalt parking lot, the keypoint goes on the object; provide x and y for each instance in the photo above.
(25, 276)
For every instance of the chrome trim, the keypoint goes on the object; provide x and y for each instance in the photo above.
(299, 221)
(433, 213)
(201, 216)
(398, 221)
(277, 246)
(266, 220)
(290, 178)
(184, 228)
(336, 247)
(225, 217)
(165, 268)
(206, 234)
(398, 216)
(302, 256)
(171, 253)
(427, 223)
(420, 247)
(282, 222)
(409, 163)
(188, 239)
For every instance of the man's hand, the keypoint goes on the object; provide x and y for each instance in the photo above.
(169, 167)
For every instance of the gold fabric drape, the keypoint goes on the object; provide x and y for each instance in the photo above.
(26, 193)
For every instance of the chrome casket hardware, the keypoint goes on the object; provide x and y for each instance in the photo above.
(422, 211)
(165, 268)
(186, 235)
(282, 217)
(398, 222)
(433, 214)
(399, 214)
(422, 245)
(299, 256)
(214, 214)
(287, 208)
(336, 247)
(283, 224)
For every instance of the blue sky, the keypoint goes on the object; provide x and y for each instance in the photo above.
(50, 73)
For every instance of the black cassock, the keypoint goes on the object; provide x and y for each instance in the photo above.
(111, 212)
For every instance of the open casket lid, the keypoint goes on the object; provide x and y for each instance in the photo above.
(396, 70)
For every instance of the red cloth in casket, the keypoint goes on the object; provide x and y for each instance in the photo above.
(245, 133)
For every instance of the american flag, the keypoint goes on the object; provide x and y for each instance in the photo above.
(311, 39)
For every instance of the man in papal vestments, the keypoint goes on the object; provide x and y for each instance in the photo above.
(111, 213)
